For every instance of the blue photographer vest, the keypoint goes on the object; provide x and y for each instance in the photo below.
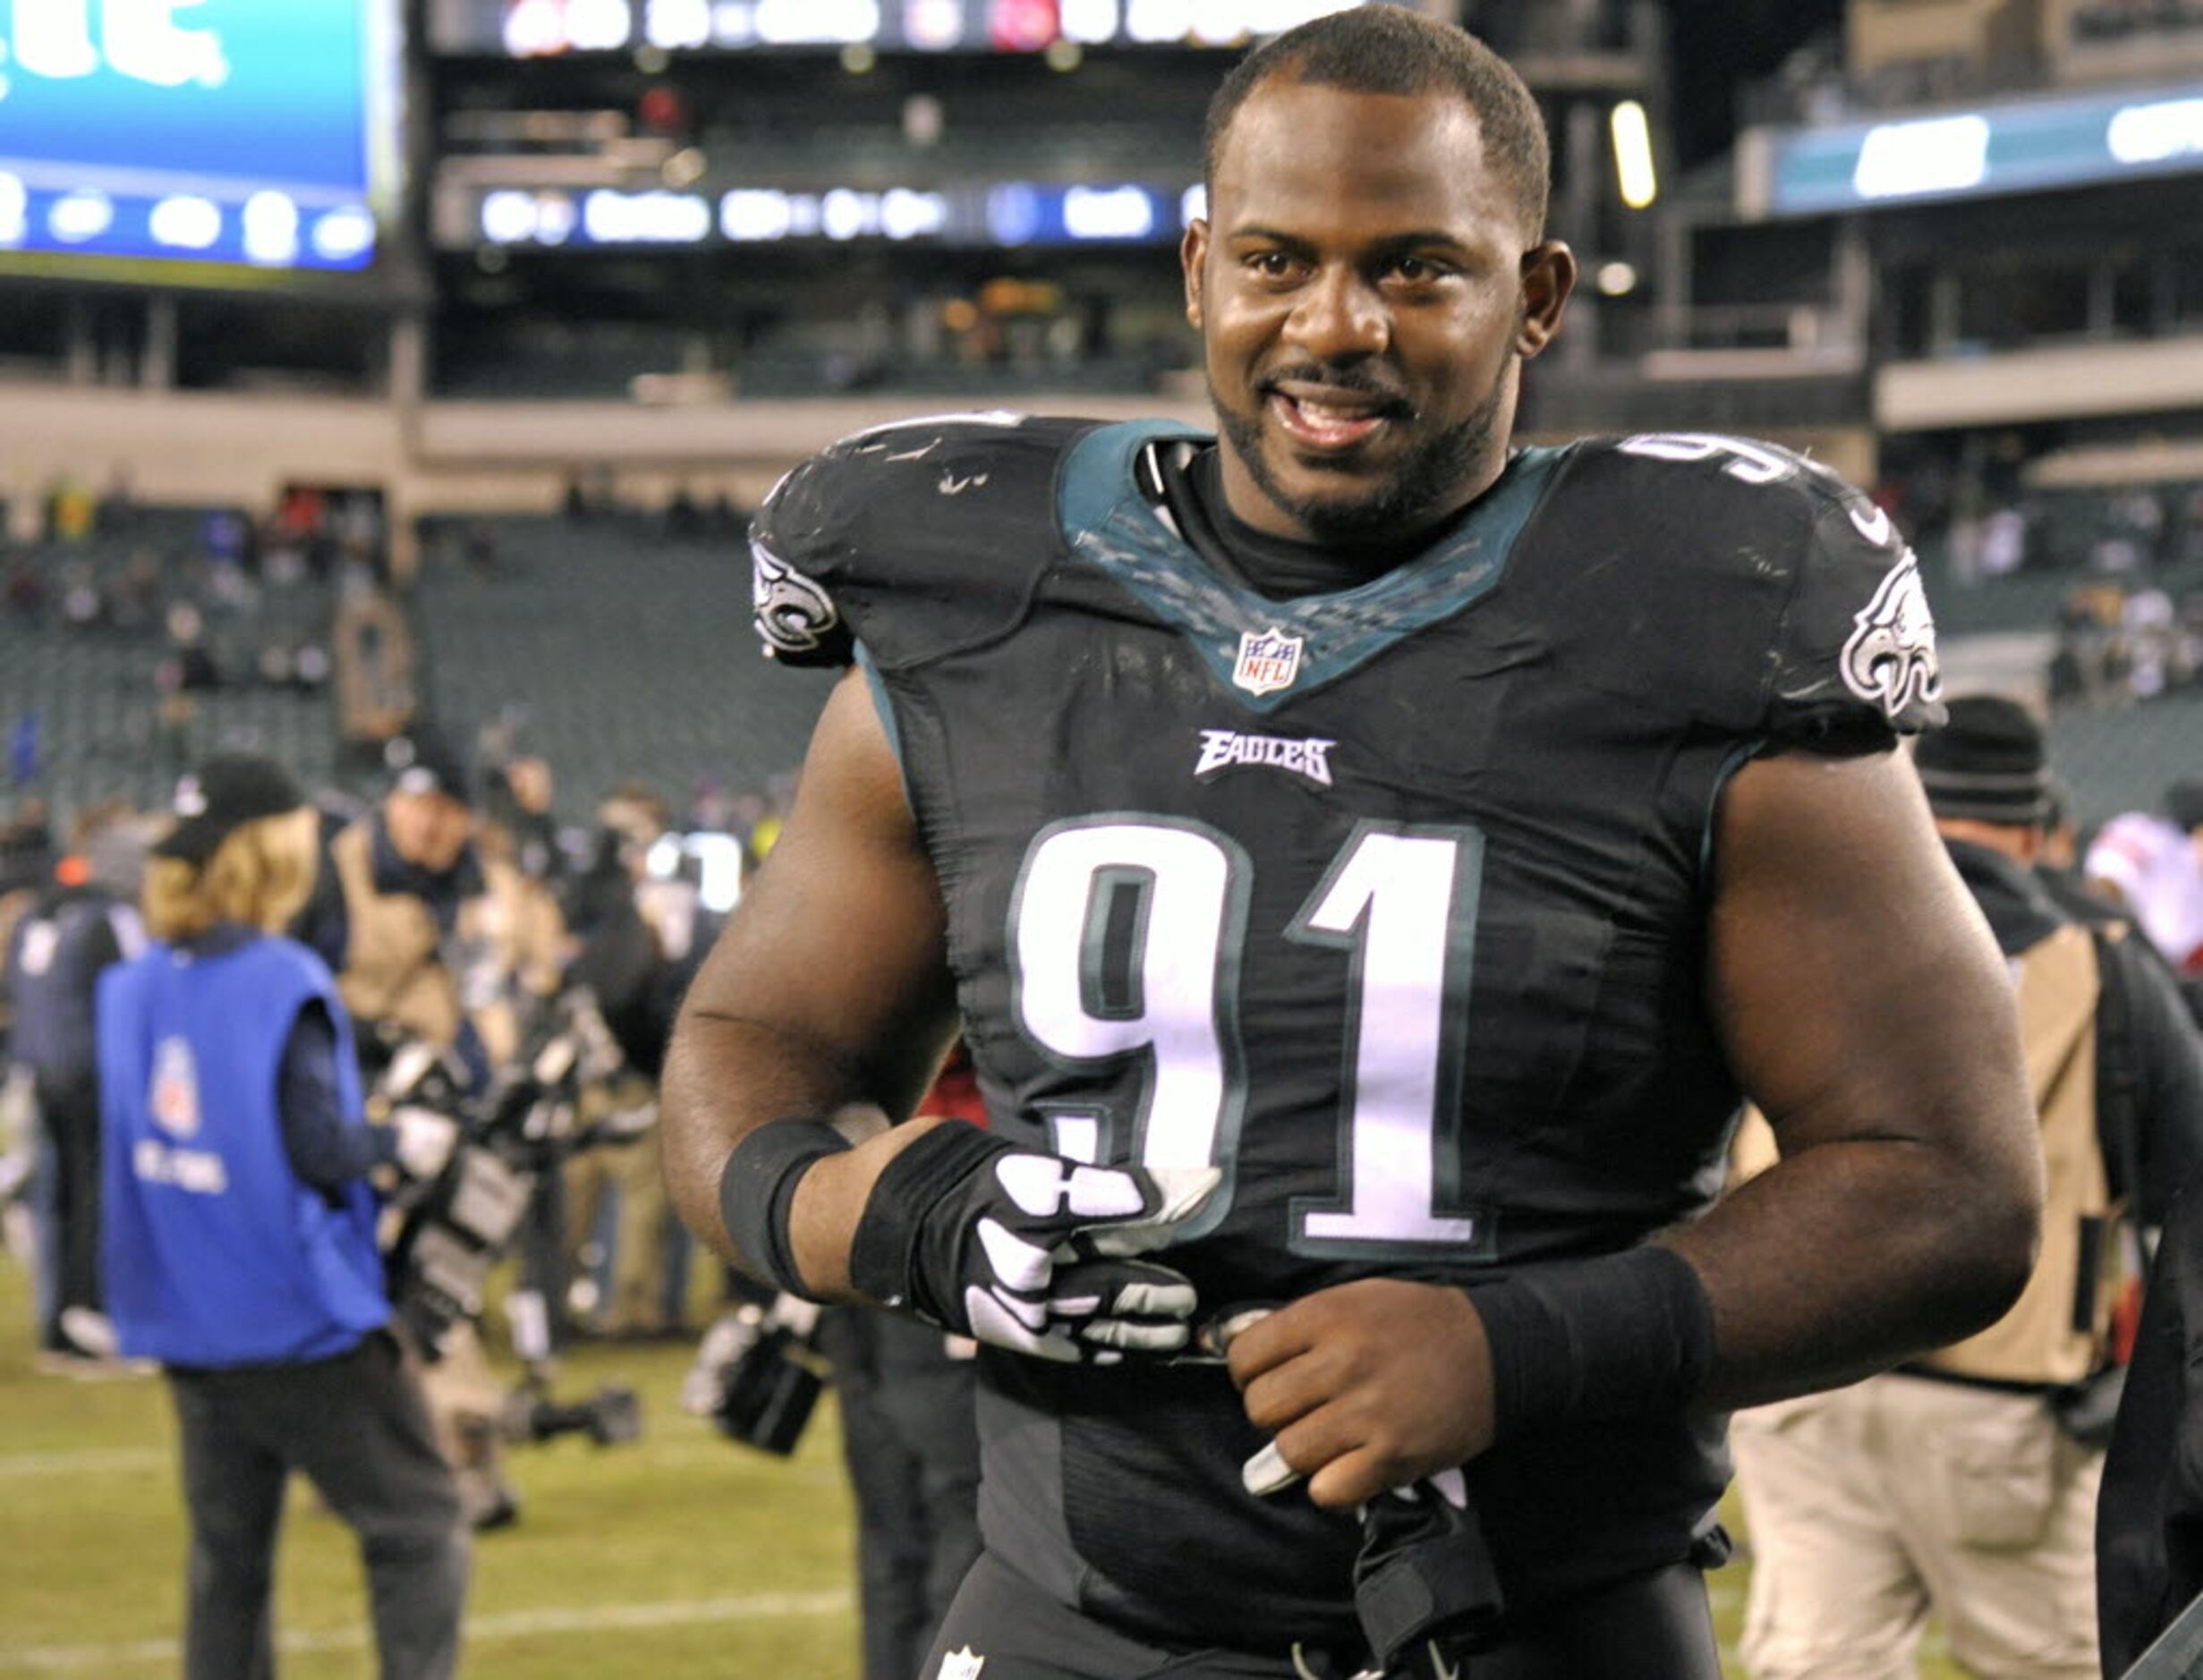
(216, 1253)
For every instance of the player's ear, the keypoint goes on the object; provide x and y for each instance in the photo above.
(1548, 277)
(1192, 252)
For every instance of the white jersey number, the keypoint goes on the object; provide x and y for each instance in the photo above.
(1169, 900)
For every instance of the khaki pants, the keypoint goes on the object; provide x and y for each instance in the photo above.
(466, 1405)
(1872, 1505)
(637, 1301)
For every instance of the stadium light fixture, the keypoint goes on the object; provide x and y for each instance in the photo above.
(2156, 132)
(1089, 22)
(1944, 154)
(82, 214)
(1633, 155)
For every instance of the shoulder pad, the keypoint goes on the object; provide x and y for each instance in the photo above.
(912, 537)
(1851, 647)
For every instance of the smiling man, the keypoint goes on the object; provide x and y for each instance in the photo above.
(1369, 864)
(1365, 348)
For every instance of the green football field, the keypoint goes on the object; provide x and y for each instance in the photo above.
(675, 1558)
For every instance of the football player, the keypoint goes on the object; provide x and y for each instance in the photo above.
(1369, 863)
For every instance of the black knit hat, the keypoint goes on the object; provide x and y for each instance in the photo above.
(221, 796)
(1987, 764)
(426, 762)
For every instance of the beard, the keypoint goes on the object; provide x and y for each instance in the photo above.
(1420, 491)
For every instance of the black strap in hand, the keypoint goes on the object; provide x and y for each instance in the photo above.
(1425, 1590)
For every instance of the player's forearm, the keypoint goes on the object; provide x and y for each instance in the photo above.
(1847, 1258)
(724, 1076)
(830, 1204)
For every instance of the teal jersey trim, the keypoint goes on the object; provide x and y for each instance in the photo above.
(882, 703)
(1745, 751)
(1109, 523)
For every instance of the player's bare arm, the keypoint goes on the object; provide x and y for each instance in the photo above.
(1866, 1010)
(829, 990)
(1865, 1006)
(829, 998)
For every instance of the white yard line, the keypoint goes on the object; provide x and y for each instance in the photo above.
(480, 1630)
(82, 1460)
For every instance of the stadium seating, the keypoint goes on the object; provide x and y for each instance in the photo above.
(616, 654)
(104, 728)
(2121, 760)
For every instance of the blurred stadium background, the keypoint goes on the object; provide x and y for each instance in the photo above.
(370, 361)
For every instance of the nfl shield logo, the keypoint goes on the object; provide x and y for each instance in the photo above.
(962, 1665)
(173, 1098)
(1269, 660)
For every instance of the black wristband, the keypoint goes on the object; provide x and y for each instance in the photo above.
(883, 1253)
(1616, 1336)
(758, 1187)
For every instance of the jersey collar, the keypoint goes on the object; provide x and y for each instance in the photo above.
(1109, 521)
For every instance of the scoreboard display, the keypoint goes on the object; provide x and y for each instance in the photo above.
(259, 134)
(993, 215)
(542, 28)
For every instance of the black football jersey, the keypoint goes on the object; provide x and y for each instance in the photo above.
(1390, 903)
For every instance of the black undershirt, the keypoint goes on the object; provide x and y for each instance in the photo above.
(1277, 568)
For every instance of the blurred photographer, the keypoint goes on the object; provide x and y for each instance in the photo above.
(1964, 1483)
(83, 921)
(443, 943)
(439, 941)
(641, 935)
(240, 1235)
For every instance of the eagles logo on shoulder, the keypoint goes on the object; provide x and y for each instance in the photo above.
(794, 615)
(1889, 660)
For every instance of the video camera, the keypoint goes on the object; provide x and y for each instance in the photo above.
(758, 1373)
(443, 1234)
(611, 1415)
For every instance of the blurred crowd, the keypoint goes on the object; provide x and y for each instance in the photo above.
(208, 599)
(2118, 644)
(2128, 624)
(507, 911)
(506, 986)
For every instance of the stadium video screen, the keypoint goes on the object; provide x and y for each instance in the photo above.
(538, 28)
(255, 133)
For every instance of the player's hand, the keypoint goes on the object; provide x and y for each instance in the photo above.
(1363, 1388)
(1031, 1252)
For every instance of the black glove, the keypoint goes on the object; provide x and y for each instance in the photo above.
(1027, 1250)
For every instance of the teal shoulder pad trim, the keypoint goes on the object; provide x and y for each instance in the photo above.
(1107, 522)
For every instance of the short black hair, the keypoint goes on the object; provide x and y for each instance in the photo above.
(1389, 49)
